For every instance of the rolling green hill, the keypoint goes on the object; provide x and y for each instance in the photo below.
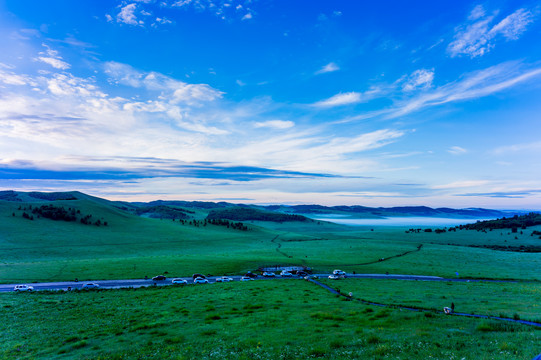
(115, 242)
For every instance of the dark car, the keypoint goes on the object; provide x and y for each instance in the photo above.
(159, 277)
(195, 276)
(251, 275)
(302, 273)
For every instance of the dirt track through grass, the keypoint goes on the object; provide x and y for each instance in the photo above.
(422, 309)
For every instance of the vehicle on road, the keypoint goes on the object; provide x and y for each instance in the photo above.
(90, 286)
(308, 277)
(159, 277)
(195, 276)
(334, 277)
(179, 281)
(23, 288)
(301, 273)
(268, 274)
(286, 273)
(250, 275)
(339, 272)
(224, 279)
(200, 280)
(246, 278)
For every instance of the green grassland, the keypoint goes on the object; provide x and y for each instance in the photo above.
(288, 319)
(501, 299)
(132, 247)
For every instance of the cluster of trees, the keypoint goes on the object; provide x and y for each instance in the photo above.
(54, 196)
(512, 223)
(437, 231)
(228, 224)
(218, 222)
(58, 213)
(244, 214)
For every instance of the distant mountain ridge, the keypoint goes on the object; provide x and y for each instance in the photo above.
(168, 207)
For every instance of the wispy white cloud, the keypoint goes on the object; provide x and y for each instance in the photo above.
(330, 67)
(340, 100)
(11, 78)
(56, 63)
(474, 85)
(526, 147)
(478, 36)
(173, 90)
(419, 79)
(457, 150)
(462, 184)
(275, 124)
(51, 57)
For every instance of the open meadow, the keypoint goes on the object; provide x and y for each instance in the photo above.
(288, 319)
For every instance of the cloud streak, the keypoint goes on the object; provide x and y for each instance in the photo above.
(479, 36)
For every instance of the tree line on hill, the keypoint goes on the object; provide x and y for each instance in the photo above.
(244, 214)
(515, 222)
(59, 213)
(217, 222)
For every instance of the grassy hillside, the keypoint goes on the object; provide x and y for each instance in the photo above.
(289, 319)
(132, 246)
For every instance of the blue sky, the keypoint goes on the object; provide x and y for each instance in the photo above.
(334, 102)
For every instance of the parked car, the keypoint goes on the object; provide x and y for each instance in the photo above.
(90, 286)
(285, 273)
(159, 277)
(195, 276)
(23, 288)
(179, 281)
(339, 272)
(224, 279)
(200, 280)
(268, 274)
(246, 278)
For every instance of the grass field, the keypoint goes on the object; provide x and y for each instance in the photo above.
(509, 300)
(290, 319)
(132, 247)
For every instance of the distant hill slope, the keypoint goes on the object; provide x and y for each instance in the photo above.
(244, 214)
(172, 209)
(363, 211)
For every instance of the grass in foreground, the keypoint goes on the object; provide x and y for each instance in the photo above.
(290, 319)
(509, 300)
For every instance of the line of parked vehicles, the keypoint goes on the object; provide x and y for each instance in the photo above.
(202, 279)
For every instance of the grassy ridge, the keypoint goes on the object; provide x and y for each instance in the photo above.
(289, 319)
(132, 247)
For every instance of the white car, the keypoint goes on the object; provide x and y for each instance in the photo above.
(246, 278)
(224, 279)
(23, 288)
(200, 281)
(268, 274)
(339, 272)
(334, 277)
(179, 281)
(90, 286)
(285, 273)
